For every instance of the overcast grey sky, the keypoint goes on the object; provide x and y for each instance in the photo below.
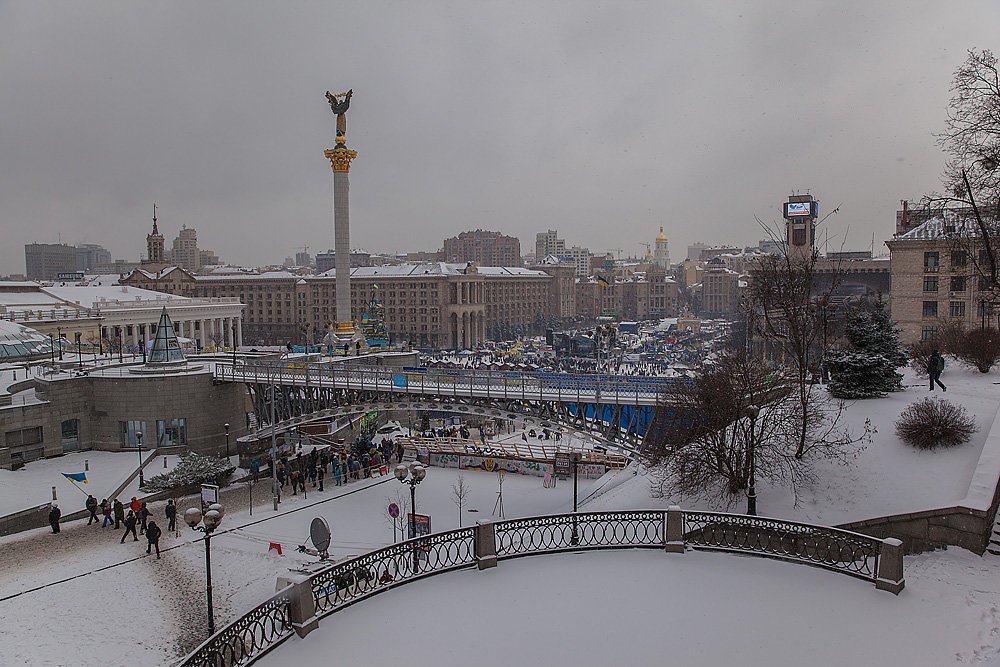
(600, 120)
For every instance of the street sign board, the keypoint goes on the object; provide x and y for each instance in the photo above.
(393, 510)
(209, 495)
(562, 465)
(423, 525)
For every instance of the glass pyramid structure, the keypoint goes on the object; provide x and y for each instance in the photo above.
(165, 347)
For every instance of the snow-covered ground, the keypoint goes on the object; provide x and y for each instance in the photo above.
(886, 477)
(651, 608)
(93, 588)
(31, 486)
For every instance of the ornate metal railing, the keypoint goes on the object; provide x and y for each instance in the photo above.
(569, 532)
(364, 576)
(343, 584)
(831, 548)
(248, 637)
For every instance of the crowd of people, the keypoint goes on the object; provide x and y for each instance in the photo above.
(361, 460)
(115, 515)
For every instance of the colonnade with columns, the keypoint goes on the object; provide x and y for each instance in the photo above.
(208, 332)
(468, 329)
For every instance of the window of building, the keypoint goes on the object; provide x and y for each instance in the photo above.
(958, 283)
(930, 309)
(24, 436)
(957, 309)
(930, 284)
(928, 333)
(128, 431)
(931, 262)
(959, 258)
(171, 432)
(70, 434)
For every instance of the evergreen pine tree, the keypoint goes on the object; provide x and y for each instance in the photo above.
(867, 367)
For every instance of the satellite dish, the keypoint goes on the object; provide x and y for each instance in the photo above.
(319, 532)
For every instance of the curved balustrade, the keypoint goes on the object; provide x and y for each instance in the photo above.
(832, 548)
(341, 585)
(248, 637)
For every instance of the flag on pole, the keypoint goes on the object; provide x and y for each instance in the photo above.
(76, 476)
(601, 280)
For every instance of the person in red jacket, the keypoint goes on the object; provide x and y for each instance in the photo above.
(134, 506)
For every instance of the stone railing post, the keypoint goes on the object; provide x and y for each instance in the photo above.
(890, 566)
(301, 604)
(673, 530)
(485, 541)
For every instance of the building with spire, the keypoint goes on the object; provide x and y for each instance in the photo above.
(154, 246)
(661, 252)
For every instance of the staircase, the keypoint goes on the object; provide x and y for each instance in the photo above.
(994, 545)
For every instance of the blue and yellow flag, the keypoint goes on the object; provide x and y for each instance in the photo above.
(375, 285)
(76, 476)
(601, 280)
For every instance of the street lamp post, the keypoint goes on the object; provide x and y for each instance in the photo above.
(138, 437)
(121, 343)
(226, 426)
(412, 474)
(752, 411)
(575, 458)
(59, 332)
(52, 350)
(79, 351)
(211, 521)
(234, 350)
(142, 342)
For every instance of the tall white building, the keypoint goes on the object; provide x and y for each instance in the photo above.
(661, 252)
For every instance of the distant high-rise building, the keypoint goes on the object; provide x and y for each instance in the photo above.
(661, 251)
(45, 261)
(185, 251)
(483, 248)
(303, 259)
(90, 255)
(548, 243)
(694, 251)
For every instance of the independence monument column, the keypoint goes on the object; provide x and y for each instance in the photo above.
(340, 160)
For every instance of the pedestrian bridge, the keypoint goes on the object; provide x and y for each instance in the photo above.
(616, 409)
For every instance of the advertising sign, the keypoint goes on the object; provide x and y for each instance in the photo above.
(209, 495)
(562, 464)
(72, 275)
(423, 525)
(800, 209)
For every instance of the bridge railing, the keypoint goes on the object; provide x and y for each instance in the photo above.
(299, 607)
(456, 382)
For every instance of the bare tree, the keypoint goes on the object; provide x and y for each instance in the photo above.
(702, 439)
(970, 201)
(787, 296)
(460, 495)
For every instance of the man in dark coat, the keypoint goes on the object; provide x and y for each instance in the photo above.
(54, 515)
(171, 512)
(153, 538)
(143, 516)
(935, 366)
(119, 513)
(91, 506)
(130, 521)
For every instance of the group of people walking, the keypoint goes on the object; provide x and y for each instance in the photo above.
(136, 519)
(343, 466)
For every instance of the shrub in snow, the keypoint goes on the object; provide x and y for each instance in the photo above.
(867, 367)
(193, 469)
(934, 422)
(978, 348)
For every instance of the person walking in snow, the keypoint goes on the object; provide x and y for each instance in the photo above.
(935, 366)
(130, 521)
(153, 538)
(171, 512)
(106, 510)
(119, 513)
(54, 515)
(143, 516)
(134, 505)
(91, 506)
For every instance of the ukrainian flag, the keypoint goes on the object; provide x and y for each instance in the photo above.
(76, 476)
(375, 285)
(602, 281)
